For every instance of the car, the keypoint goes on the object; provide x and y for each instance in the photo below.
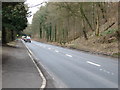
(27, 39)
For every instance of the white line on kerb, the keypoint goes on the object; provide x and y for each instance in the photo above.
(68, 55)
(93, 63)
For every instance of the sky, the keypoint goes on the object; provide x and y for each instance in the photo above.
(33, 10)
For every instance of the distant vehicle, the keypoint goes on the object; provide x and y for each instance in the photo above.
(23, 37)
(27, 39)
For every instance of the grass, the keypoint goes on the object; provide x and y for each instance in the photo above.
(109, 31)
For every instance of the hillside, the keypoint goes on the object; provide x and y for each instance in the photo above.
(106, 43)
(87, 26)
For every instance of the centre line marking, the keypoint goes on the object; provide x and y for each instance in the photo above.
(68, 55)
(112, 73)
(56, 51)
(93, 63)
(49, 48)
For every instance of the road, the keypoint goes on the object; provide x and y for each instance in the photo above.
(75, 69)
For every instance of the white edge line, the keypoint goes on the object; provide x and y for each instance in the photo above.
(93, 63)
(42, 76)
(68, 55)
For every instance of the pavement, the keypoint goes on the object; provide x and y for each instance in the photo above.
(74, 69)
(18, 70)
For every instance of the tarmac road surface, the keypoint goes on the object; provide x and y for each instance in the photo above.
(75, 69)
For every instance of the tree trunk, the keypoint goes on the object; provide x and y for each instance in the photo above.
(103, 12)
(68, 28)
(12, 35)
(97, 26)
(55, 32)
(84, 32)
(4, 35)
(40, 30)
(84, 16)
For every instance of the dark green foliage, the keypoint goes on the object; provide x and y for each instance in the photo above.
(14, 19)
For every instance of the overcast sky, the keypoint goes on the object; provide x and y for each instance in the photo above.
(33, 9)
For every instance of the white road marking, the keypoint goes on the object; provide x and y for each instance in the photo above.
(68, 55)
(93, 63)
(112, 73)
(108, 72)
(49, 48)
(56, 51)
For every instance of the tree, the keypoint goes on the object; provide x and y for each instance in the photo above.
(14, 20)
(66, 21)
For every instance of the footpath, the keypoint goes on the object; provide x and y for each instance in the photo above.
(18, 70)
